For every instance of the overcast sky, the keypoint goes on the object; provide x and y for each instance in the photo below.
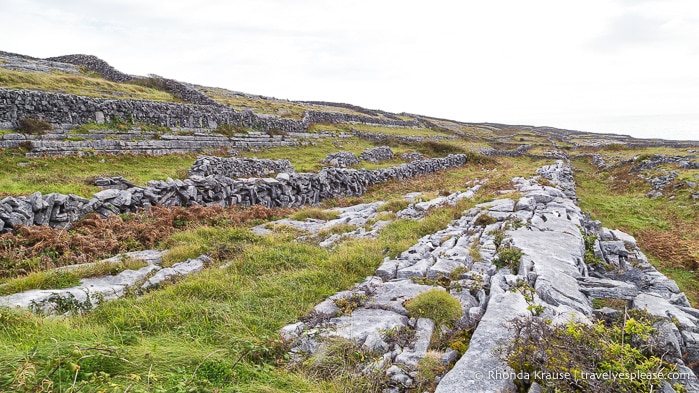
(621, 66)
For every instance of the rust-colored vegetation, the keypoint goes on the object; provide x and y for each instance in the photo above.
(39, 248)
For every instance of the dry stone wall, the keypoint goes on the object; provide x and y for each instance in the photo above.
(94, 63)
(295, 189)
(65, 111)
(238, 167)
(377, 154)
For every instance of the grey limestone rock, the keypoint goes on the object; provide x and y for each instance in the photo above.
(474, 371)
(599, 288)
(342, 159)
(377, 154)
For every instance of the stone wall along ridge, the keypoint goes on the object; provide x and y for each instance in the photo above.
(238, 167)
(65, 111)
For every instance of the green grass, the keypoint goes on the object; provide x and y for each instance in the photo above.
(79, 85)
(665, 228)
(400, 131)
(214, 331)
(20, 175)
(276, 107)
(308, 158)
(314, 213)
(56, 279)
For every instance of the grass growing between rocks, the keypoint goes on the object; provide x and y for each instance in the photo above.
(57, 279)
(666, 229)
(212, 332)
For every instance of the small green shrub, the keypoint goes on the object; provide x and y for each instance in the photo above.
(350, 303)
(436, 305)
(590, 257)
(509, 257)
(403, 336)
(33, 126)
(578, 350)
(230, 130)
(498, 237)
(484, 220)
(428, 368)
(439, 149)
(475, 253)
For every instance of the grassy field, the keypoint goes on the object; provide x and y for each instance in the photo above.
(82, 85)
(73, 175)
(266, 106)
(216, 331)
(666, 228)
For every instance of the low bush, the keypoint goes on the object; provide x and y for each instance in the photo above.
(33, 126)
(484, 220)
(435, 304)
(578, 350)
(508, 257)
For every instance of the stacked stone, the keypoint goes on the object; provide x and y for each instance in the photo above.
(59, 210)
(505, 153)
(96, 64)
(334, 117)
(67, 111)
(238, 167)
(377, 154)
(412, 156)
(378, 137)
(185, 91)
(117, 183)
(341, 159)
(685, 162)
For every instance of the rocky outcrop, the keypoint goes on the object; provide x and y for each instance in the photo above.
(93, 291)
(12, 61)
(551, 281)
(238, 167)
(295, 189)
